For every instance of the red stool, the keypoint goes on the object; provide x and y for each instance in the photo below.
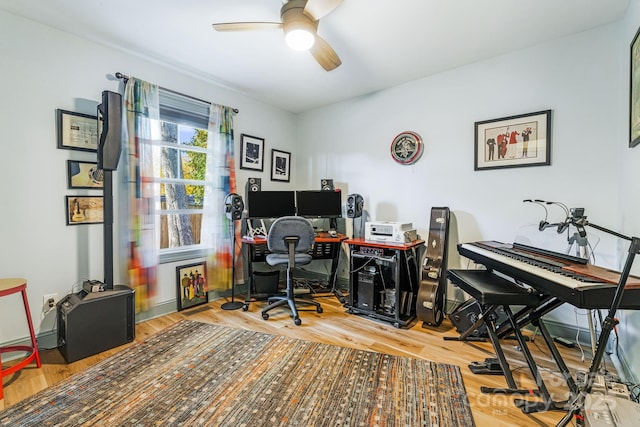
(8, 287)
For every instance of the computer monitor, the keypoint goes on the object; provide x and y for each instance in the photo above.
(319, 204)
(271, 204)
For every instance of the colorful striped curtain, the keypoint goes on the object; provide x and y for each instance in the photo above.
(142, 123)
(217, 228)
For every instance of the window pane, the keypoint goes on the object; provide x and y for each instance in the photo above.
(176, 196)
(180, 230)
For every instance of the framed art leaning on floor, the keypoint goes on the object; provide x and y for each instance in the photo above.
(191, 285)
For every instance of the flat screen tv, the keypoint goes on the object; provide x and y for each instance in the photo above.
(271, 204)
(319, 204)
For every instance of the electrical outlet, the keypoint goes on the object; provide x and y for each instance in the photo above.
(49, 301)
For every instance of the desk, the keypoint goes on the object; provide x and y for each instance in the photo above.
(384, 279)
(324, 247)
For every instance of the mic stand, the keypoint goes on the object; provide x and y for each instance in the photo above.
(576, 404)
(233, 305)
(581, 241)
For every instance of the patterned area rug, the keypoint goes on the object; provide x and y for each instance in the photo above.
(197, 374)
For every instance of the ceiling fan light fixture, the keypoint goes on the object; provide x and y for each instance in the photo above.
(300, 39)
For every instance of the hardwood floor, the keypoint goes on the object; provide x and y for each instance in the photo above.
(335, 326)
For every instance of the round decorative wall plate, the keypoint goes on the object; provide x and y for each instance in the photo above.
(406, 148)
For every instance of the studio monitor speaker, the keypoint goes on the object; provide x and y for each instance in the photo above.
(326, 185)
(355, 204)
(234, 206)
(109, 130)
(254, 184)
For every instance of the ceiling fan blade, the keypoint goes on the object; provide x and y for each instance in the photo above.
(247, 26)
(324, 54)
(319, 8)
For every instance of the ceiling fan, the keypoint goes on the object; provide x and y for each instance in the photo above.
(300, 24)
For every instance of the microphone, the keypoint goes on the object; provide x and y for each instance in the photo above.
(567, 220)
(543, 224)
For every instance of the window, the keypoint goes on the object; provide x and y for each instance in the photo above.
(181, 170)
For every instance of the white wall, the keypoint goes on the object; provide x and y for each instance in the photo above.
(582, 79)
(43, 69)
(572, 77)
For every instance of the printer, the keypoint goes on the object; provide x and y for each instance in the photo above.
(390, 232)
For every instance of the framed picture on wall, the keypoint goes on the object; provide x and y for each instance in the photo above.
(77, 131)
(280, 165)
(251, 152)
(84, 175)
(516, 141)
(191, 285)
(634, 93)
(84, 210)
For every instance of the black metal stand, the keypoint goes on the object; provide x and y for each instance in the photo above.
(576, 404)
(233, 305)
(108, 228)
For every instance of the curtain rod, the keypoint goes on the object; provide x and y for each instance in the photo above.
(125, 78)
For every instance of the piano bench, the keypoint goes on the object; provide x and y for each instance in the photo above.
(490, 289)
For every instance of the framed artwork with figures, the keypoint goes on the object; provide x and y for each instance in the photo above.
(514, 141)
(191, 285)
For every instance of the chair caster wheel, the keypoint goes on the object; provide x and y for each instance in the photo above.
(396, 325)
(245, 307)
(319, 309)
(297, 321)
(265, 316)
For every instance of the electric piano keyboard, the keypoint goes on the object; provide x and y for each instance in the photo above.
(567, 278)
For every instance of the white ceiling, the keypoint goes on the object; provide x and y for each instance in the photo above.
(382, 43)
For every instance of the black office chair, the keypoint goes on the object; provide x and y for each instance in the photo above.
(290, 239)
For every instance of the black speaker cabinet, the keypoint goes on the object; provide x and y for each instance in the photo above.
(109, 130)
(254, 184)
(465, 315)
(90, 323)
(355, 204)
(326, 185)
(234, 206)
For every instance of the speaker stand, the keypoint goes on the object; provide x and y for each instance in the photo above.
(233, 305)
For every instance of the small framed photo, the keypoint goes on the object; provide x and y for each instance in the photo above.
(251, 152)
(516, 141)
(77, 131)
(280, 165)
(85, 210)
(634, 93)
(191, 285)
(84, 175)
